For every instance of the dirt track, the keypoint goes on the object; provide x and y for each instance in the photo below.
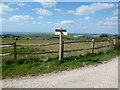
(101, 76)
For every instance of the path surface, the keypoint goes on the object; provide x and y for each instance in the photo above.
(101, 76)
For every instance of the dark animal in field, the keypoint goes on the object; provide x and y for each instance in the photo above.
(27, 39)
(16, 38)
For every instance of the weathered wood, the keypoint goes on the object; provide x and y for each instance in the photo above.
(7, 44)
(14, 50)
(4, 46)
(83, 41)
(59, 30)
(110, 42)
(93, 45)
(6, 54)
(61, 43)
(86, 49)
(58, 51)
(114, 43)
(61, 50)
(117, 42)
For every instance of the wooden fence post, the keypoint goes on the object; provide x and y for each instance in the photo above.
(14, 50)
(61, 50)
(109, 43)
(114, 43)
(93, 45)
(117, 42)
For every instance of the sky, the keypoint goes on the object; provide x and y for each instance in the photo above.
(45, 17)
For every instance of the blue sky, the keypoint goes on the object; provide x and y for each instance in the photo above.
(75, 17)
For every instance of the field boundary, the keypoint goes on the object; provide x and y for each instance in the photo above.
(15, 53)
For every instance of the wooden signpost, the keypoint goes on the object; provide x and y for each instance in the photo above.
(61, 43)
(93, 45)
(114, 43)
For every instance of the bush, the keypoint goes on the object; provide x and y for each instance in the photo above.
(103, 35)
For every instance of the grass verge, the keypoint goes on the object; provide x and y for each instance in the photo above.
(33, 65)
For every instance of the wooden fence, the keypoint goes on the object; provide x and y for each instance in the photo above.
(93, 41)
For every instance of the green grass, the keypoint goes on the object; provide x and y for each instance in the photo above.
(40, 64)
(22, 49)
(33, 65)
(38, 38)
(35, 39)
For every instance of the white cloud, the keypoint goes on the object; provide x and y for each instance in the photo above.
(47, 3)
(57, 9)
(36, 22)
(41, 11)
(21, 4)
(65, 22)
(17, 8)
(40, 17)
(4, 8)
(20, 18)
(109, 21)
(93, 8)
(87, 18)
(70, 11)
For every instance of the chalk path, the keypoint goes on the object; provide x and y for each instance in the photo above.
(101, 76)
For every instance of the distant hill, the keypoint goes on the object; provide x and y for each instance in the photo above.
(89, 35)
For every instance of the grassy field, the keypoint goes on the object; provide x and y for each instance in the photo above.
(38, 39)
(34, 64)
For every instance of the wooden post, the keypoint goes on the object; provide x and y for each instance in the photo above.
(61, 50)
(117, 41)
(109, 43)
(14, 48)
(114, 43)
(93, 45)
(61, 43)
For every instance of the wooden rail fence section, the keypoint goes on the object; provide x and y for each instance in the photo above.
(62, 45)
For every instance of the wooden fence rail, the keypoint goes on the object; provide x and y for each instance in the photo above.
(86, 49)
(4, 46)
(20, 53)
(7, 44)
(56, 43)
(15, 53)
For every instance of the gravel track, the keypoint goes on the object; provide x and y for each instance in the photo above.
(101, 76)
